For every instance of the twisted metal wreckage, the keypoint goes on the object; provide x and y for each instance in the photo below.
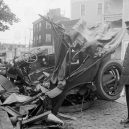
(38, 86)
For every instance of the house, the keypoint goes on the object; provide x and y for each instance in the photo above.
(97, 11)
(42, 30)
(91, 10)
(115, 12)
(8, 51)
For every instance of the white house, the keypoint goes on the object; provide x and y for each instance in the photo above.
(99, 11)
(91, 10)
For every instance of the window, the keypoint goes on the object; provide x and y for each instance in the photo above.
(48, 37)
(40, 26)
(48, 25)
(83, 10)
(37, 28)
(99, 8)
(34, 29)
(39, 38)
(34, 41)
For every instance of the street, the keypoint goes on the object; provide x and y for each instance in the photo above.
(101, 115)
(57, 57)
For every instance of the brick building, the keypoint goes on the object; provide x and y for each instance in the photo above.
(42, 30)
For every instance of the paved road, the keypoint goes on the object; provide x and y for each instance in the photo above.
(102, 115)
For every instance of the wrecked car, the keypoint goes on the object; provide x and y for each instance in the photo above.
(80, 70)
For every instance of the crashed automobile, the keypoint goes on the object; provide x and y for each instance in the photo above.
(80, 70)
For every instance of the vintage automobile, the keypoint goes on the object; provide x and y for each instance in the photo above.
(89, 72)
(81, 70)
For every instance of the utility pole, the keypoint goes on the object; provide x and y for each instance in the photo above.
(125, 17)
(25, 40)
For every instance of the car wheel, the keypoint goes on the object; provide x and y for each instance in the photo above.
(107, 80)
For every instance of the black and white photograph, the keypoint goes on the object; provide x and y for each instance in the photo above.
(64, 64)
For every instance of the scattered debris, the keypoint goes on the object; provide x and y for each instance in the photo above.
(66, 116)
(37, 85)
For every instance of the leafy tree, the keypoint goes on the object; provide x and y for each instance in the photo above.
(6, 16)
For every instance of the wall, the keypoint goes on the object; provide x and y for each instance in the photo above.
(76, 8)
(113, 6)
(91, 10)
(125, 11)
(43, 31)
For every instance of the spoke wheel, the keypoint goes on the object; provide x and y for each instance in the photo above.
(30, 58)
(107, 80)
(110, 81)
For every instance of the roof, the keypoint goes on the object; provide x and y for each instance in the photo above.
(55, 19)
(112, 17)
(60, 19)
(37, 21)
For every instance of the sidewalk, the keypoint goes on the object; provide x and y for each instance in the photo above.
(122, 99)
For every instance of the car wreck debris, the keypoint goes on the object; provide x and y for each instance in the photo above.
(38, 85)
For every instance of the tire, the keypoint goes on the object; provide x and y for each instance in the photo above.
(107, 80)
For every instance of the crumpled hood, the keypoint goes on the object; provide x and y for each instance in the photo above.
(96, 31)
(109, 38)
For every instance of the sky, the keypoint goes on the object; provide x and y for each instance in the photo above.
(27, 11)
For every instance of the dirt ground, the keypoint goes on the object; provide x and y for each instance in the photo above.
(101, 115)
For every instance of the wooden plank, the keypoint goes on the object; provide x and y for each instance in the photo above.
(67, 116)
